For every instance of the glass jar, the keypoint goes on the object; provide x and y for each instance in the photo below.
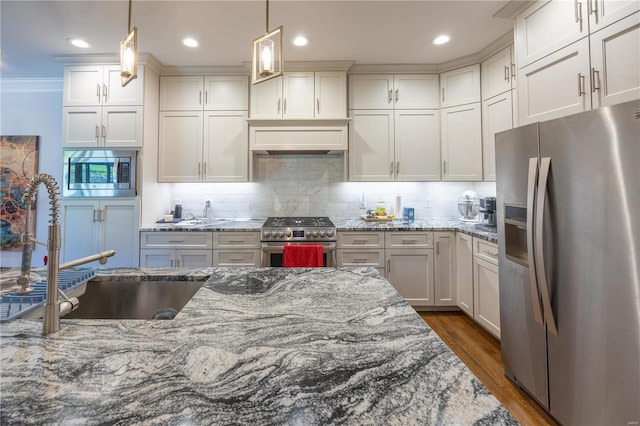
(381, 209)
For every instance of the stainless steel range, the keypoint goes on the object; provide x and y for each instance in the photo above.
(278, 232)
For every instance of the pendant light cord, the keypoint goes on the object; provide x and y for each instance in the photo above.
(267, 17)
(129, 28)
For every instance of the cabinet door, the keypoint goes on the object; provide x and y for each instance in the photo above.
(122, 127)
(298, 95)
(184, 93)
(462, 143)
(371, 91)
(194, 258)
(417, 145)
(555, 86)
(236, 258)
(180, 147)
(80, 230)
(331, 94)
(411, 273)
(120, 232)
(416, 91)
(486, 303)
(461, 86)
(83, 85)
(371, 146)
(226, 146)
(81, 127)
(496, 117)
(464, 272)
(445, 269)
(548, 26)
(615, 62)
(266, 99)
(226, 93)
(157, 258)
(131, 94)
(606, 12)
(496, 74)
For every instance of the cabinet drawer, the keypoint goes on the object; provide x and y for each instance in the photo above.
(236, 257)
(176, 239)
(236, 239)
(485, 250)
(409, 239)
(360, 239)
(347, 257)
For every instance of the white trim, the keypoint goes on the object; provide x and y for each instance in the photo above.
(16, 85)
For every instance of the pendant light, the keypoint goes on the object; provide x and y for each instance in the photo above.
(267, 54)
(129, 54)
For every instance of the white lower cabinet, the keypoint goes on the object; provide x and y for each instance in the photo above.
(361, 249)
(410, 271)
(91, 226)
(486, 290)
(464, 272)
(176, 249)
(445, 268)
(236, 249)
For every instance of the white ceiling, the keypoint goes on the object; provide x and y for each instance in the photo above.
(364, 31)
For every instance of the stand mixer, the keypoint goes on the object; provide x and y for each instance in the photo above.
(468, 206)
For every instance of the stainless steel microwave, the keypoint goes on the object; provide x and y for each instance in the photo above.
(99, 173)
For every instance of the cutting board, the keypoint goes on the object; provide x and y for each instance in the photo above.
(377, 218)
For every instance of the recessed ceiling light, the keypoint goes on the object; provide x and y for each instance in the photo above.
(442, 39)
(190, 42)
(300, 41)
(78, 42)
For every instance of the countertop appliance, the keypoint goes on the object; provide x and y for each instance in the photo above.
(568, 197)
(487, 214)
(468, 206)
(280, 231)
(99, 173)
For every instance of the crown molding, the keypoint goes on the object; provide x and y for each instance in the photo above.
(393, 68)
(23, 85)
(146, 59)
(207, 70)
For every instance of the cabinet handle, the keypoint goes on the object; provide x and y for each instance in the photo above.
(443, 94)
(397, 171)
(204, 170)
(359, 242)
(389, 97)
(104, 132)
(595, 78)
(513, 71)
(206, 97)
(103, 215)
(444, 167)
(176, 241)
(318, 105)
(284, 106)
(409, 241)
(437, 248)
(200, 97)
(491, 253)
(172, 263)
(594, 9)
(578, 10)
(95, 215)
(236, 241)
(235, 259)
(507, 73)
(198, 169)
(397, 96)
(360, 260)
(580, 85)
(279, 99)
(98, 91)
(97, 131)
(105, 92)
(388, 266)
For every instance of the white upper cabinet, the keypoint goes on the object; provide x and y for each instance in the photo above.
(225, 146)
(555, 86)
(615, 62)
(371, 145)
(460, 86)
(462, 143)
(97, 85)
(301, 95)
(417, 145)
(180, 146)
(547, 26)
(496, 117)
(498, 74)
(606, 12)
(197, 93)
(389, 91)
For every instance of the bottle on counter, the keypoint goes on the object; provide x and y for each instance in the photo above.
(381, 209)
(177, 211)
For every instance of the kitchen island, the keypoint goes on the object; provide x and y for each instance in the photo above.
(253, 346)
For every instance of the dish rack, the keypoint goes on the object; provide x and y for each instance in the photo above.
(30, 306)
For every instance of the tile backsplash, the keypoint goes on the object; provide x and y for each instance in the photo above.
(314, 185)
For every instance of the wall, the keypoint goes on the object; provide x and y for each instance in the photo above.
(35, 108)
(308, 185)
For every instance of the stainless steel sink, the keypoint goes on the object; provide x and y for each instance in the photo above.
(134, 299)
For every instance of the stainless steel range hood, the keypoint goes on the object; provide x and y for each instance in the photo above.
(298, 136)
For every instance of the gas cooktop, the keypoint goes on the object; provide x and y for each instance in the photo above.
(311, 229)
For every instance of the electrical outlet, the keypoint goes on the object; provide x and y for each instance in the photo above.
(427, 204)
(363, 202)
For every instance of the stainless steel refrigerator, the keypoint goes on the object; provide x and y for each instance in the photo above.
(568, 212)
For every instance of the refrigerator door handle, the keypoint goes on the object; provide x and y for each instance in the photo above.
(533, 281)
(545, 165)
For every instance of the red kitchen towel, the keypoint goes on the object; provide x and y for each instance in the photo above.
(304, 256)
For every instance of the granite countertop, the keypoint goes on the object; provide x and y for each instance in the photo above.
(253, 346)
(342, 224)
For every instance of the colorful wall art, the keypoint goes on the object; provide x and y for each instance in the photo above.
(18, 164)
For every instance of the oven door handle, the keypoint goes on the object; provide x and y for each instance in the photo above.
(267, 248)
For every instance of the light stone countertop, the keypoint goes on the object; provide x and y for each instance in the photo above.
(342, 224)
(253, 346)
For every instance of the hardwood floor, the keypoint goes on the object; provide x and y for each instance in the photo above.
(480, 351)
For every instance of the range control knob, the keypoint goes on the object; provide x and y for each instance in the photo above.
(288, 234)
(281, 234)
(329, 233)
(314, 233)
(322, 233)
(267, 234)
